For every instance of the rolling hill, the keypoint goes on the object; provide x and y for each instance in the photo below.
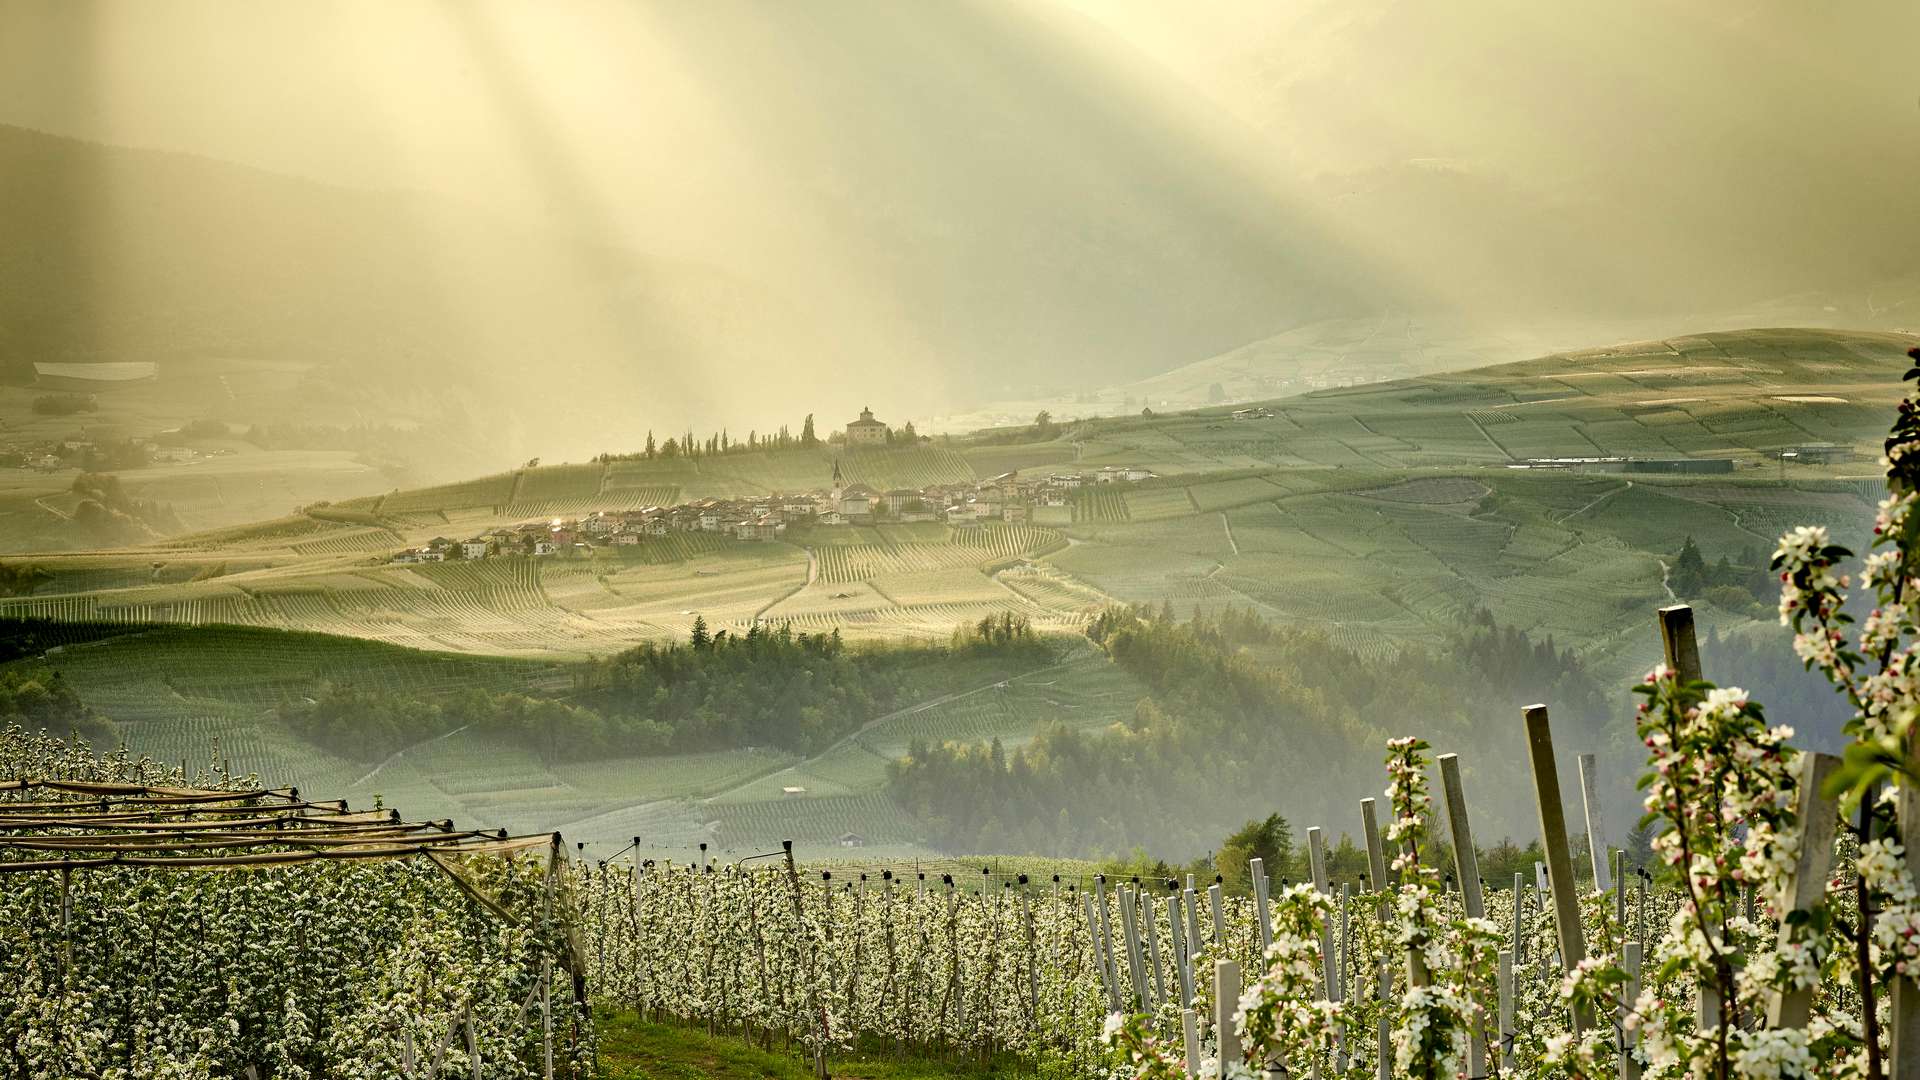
(1383, 515)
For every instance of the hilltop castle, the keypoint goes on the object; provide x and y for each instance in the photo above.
(866, 431)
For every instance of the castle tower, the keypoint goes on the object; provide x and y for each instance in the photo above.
(866, 431)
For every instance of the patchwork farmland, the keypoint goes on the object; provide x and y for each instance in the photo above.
(1381, 515)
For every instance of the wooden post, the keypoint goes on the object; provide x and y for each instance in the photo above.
(1151, 917)
(1376, 849)
(1806, 887)
(1553, 837)
(1903, 1026)
(1466, 867)
(1383, 1034)
(1640, 915)
(1466, 862)
(1140, 999)
(1106, 939)
(799, 918)
(1503, 1056)
(1630, 960)
(1101, 964)
(1219, 919)
(1596, 831)
(1317, 865)
(1340, 968)
(473, 1047)
(1226, 997)
(546, 962)
(1681, 649)
(1194, 939)
(1620, 894)
(546, 1018)
(1257, 869)
(1519, 918)
(1190, 1028)
(1177, 942)
(1033, 958)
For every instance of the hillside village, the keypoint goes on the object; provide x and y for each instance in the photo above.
(1009, 497)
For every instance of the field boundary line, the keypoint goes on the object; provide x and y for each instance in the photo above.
(400, 753)
(805, 580)
(1482, 429)
(1597, 500)
(866, 728)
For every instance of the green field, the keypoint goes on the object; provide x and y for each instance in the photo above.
(200, 694)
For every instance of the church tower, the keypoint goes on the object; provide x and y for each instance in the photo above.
(839, 484)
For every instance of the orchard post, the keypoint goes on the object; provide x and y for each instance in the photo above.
(1466, 867)
(1226, 997)
(1596, 832)
(1553, 837)
(1806, 886)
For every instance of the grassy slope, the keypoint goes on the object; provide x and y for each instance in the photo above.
(182, 693)
(634, 1049)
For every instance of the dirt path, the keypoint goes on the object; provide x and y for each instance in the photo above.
(919, 707)
(1228, 525)
(402, 752)
(1602, 497)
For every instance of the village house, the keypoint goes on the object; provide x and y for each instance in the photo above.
(763, 528)
(420, 555)
(475, 548)
(857, 501)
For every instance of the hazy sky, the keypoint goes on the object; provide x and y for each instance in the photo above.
(933, 200)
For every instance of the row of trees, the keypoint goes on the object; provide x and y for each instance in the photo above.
(768, 686)
(1236, 710)
(107, 512)
(688, 445)
(1737, 585)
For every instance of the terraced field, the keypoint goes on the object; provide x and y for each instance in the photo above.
(971, 546)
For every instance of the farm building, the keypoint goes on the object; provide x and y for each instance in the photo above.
(1816, 454)
(1630, 465)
